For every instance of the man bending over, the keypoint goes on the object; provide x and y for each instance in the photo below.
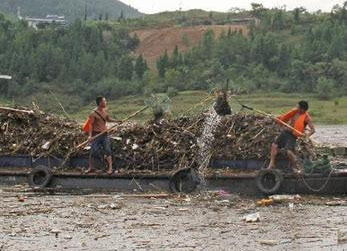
(299, 119)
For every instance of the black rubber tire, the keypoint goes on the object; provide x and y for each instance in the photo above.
(275, 177)
(40, 177)
(184, 181)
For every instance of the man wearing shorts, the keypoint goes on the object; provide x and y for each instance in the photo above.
(98, 119)
(299, 119)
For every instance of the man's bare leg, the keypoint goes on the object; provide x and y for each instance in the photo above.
(292, 160)
(109, 162)
(91, 165)
(274, 152)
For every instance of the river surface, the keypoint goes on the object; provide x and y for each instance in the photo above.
(331, 135)
(205, 222)
(209, 221)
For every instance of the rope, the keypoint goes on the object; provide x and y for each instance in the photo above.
(322, 187)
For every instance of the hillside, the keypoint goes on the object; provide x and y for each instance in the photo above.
(187, 18)
(281, 51)
(184, 29)
(72, 9)
(154, 42)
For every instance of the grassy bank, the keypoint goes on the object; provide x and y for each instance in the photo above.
(322, 111)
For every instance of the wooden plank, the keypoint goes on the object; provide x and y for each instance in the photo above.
(8, 109)
(155, 195)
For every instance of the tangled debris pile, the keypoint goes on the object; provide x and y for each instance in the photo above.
(37, 134)
(157, 145)
(248, 136)
(163, 144)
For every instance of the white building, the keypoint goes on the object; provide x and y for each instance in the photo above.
(36, 22)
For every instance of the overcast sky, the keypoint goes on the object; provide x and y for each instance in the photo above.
(153, 6)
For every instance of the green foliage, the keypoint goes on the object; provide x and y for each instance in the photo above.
(72, 9)
(183, 19)
(322, 111)
(160, 104)
(171, 92)
(125, 68)
(325, 88)
(73, 60)
(140, 67)
(289, 51)
(274, 57)
(163, 64)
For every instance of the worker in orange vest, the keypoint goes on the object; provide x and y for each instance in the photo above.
(299, 119)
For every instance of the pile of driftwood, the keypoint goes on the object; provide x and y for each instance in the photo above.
(248, 136)
(157, 145)
(24, 131)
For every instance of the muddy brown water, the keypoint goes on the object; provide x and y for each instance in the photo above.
(331, 135)
(204, 222)
(111, 222)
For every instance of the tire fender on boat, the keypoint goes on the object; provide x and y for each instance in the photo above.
(269, 181)
(184, 181)
(40, 176)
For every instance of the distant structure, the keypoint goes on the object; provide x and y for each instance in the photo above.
(5, 77)
(245, 20)
(42, 22)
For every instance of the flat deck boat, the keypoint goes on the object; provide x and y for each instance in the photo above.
(246, 177)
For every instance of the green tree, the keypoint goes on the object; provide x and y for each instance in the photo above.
(175, 58)
(163, 64)
(258, 10)
(125, 68)
(173, 79)
(208, 43)
(325, 88)
(140, 67)
(297, 14)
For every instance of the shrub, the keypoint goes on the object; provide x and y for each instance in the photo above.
(325, 88)
(171, 92)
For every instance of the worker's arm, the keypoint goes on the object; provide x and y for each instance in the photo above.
(310, 126)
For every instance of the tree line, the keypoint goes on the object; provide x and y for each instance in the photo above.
(84, 58)
(290, 51)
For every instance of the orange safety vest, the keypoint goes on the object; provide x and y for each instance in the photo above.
(299, 124)
(87, 126)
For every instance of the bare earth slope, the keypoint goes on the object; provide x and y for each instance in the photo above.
(154, 42)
